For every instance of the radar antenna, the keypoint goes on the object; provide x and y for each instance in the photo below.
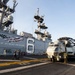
(37, 11)
(4, 1)
(6, 19)
(14, 4)
(41, 26)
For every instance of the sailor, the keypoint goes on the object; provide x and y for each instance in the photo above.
(4, 52)
(65, 57)
(15, 55)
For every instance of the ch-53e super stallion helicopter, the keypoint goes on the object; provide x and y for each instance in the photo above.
(63, 48)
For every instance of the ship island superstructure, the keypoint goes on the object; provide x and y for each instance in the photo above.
(41, 26)
(24, 43)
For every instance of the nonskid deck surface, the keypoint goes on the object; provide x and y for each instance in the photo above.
(12, 63)
(26, 60)
(68, 67)
(7, 65)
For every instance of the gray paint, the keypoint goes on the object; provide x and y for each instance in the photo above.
(39, 45)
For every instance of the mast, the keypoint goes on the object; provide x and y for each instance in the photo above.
(41, 26)
(6, 18)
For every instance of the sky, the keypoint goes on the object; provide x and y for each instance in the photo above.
(59, 16)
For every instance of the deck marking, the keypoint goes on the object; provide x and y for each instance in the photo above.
(20, 68)
(8, 60)
(21, 62)
(29, 58)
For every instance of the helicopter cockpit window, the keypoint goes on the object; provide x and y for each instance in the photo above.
(56, 49)
(68, 44)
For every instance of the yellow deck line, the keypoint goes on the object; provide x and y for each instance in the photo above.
(20, 62)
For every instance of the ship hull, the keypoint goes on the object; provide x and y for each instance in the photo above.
(25, 45)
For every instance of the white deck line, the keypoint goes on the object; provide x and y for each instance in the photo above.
(29, 58)
(20, 68)
(8, 60)
(71, 65)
